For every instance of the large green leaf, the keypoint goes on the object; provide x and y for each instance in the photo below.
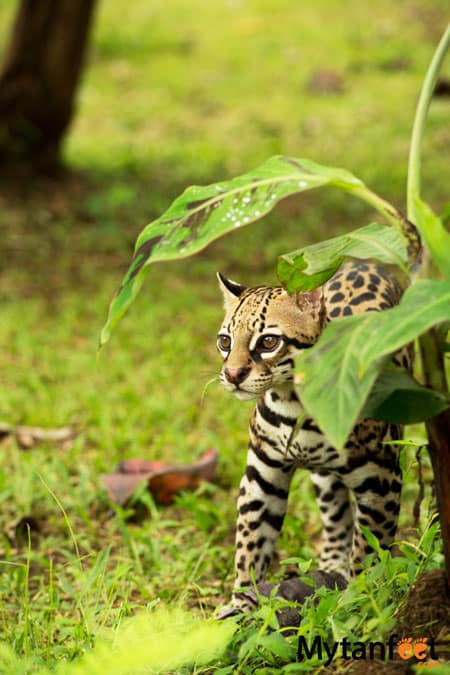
(311, 266)
(397, 397)
(202, 214)
(338, 373)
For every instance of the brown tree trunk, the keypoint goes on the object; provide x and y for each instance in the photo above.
(438, 431)
(38, 80)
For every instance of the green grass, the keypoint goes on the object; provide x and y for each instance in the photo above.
(176, 94)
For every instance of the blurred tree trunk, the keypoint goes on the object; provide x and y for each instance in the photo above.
(38, 81)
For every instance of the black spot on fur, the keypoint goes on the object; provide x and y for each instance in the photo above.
(376, 516)
(396, 487)
(253, 474)
(364, 297)
(271, 417)
(392, 506)
(241, 563)
(254, 505)
(337, 485)
(373, 484)
(309, 425)
(272, 519)
(335, 286)
(336, 517)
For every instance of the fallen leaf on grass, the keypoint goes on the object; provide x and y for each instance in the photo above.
(164, 480)
(29, 437)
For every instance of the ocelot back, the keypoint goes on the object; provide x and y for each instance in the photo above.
(263, 330)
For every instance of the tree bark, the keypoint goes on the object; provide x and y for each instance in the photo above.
(438, 432)
(38, 80)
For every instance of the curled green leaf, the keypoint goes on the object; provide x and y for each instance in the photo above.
(202, 214)
(311, 266)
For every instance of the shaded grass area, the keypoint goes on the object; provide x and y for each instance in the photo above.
(175, 95)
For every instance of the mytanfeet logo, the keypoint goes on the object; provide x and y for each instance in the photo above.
(421, 651)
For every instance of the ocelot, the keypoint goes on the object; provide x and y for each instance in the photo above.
(263, 330)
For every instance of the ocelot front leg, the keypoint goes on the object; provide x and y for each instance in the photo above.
(263, 494)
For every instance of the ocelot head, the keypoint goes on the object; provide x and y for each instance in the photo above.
(263, 329)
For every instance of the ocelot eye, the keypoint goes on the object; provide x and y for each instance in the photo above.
(224, 342)
(267, 343)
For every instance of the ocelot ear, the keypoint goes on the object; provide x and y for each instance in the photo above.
(313, 303)
(230, 289)
(309, 312)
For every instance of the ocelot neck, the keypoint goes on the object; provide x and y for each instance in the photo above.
(282, 403)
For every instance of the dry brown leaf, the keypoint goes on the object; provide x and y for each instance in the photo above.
(164, 480)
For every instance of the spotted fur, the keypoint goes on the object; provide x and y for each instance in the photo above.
(263, 330)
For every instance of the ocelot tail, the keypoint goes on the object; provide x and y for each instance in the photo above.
(263, 330)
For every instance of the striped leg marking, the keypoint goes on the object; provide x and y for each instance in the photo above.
(376, 487)
(261, 506)
(337, 520)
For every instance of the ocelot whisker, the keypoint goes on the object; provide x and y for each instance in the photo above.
(213, 379)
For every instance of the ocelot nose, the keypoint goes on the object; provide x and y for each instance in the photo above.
(236, 375)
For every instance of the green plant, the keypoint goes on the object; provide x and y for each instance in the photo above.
(359, 377)
(156, 640)
(365, 611)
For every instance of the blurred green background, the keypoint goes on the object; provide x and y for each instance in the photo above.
(177, 93)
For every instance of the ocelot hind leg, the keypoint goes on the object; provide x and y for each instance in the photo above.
(333, 498)
(376, 487)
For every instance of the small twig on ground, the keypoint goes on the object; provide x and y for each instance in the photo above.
(29, 437)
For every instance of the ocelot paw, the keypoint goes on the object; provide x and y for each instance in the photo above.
(242, 603)
(227, 611)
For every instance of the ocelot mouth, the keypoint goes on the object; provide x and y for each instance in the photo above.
(244, 395)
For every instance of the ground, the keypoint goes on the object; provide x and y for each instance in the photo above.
(171, 98)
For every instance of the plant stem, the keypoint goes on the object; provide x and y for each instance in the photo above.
(414, 164)
(392, 215)
(438, 428)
